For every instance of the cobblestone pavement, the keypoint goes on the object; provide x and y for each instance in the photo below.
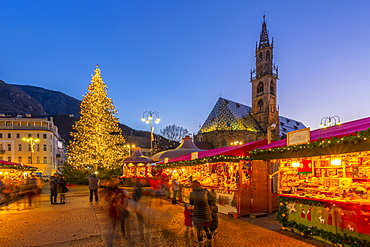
(79, 223)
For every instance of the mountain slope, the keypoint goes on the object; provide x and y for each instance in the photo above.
(53, 102)
(15, 101)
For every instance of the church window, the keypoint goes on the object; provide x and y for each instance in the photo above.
(260, 57)
(260, 87)
(260, 105)
(272, 88)
(267, 55)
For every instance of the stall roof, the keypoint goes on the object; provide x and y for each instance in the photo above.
(8, 164)
(241, 150)
(344, 129)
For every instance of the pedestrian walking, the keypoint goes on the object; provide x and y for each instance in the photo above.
(188, 215)
(202, 216)
(31, 188)
(117, 200)
(136, 194)
(53, 188)
(175, 190)
(62, 189)
(93, 187)
(214, 211)
(1, 189)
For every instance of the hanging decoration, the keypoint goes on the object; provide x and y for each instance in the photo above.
(354, 139)
(213, 159)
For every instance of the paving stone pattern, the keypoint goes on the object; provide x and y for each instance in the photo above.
(81, 224)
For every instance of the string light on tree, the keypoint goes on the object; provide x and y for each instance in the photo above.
(97, 140)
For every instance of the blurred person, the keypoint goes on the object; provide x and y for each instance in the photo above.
(93, 187)
(31, 187)
(188, 215)
(7, 190)
(1, 188)
(62, 190)
(202, 216)
(117, 200)
(136, 194)
(214, 211)
(175, 190)
(53, 181)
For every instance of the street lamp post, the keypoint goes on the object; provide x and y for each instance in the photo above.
(148, 119)
(329, 121)
(32, 142)
(129, 148)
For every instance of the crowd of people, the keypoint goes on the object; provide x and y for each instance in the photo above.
(14, 186)
(200, 214)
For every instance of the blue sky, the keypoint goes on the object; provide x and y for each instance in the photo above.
(178, 57)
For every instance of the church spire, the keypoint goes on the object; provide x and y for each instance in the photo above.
(264, 35)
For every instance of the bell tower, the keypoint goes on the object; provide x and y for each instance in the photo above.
(264, 90)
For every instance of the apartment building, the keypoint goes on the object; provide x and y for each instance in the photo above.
(32, 141)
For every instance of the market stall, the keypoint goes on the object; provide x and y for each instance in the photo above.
(324, 182)
(227, 171)
(16, 173)
(137, 166)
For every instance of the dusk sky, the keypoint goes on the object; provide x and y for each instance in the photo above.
(178, 57)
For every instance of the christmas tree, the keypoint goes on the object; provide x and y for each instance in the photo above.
(97, 142)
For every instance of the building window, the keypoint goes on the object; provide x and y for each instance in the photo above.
(37, 147)
(1, 135)
(9, 135)
(44, 136)
(260, 57)
(267, 55)
(19, 159)
(29, 160)
(45, 160)
(29, 135)
(260, 105)
(9, 147)
(38, 160)
(44, 149)
(29, 147)
(19, 147)
(10, 159)
(18, 135)
(51, 137)
(37, 135)
(1, 147)
(260, 87)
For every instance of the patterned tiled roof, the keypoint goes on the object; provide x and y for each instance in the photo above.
(230, 115)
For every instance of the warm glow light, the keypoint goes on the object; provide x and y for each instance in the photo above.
(143, 119)
(96, 172)
(150, 117)
(296, 164)
(336, 162)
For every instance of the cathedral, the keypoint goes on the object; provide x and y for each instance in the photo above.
(232, 123)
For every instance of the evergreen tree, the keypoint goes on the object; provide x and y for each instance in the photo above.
(97, 142)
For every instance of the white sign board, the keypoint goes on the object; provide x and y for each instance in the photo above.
(298, 137)
(194, 155)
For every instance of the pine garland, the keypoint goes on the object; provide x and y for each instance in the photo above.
(17, 167)
(359, 136)
(213, 159)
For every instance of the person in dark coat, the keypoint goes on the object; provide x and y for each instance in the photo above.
(62, 190)
(214, 211)
(93, 187)
(53, 188)
(202, 216)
